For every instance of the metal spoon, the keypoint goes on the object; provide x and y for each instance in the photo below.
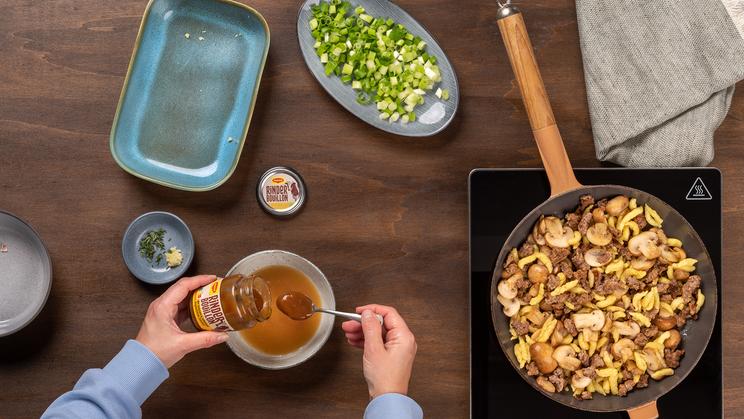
(299, 306)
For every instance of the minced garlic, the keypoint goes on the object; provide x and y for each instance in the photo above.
(174, 257)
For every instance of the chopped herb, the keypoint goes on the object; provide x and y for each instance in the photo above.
(152, 246)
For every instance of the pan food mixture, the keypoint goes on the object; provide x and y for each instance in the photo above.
(597, 299)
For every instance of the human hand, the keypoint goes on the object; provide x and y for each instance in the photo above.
(160, 331)
(388, 359)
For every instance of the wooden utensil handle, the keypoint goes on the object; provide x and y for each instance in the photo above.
(536, 101)
(646, 411)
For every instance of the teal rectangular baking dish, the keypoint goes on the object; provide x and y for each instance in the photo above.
(189, 93)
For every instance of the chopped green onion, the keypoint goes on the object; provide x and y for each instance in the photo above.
(382, 60)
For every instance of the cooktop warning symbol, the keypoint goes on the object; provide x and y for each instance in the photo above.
(699, 192)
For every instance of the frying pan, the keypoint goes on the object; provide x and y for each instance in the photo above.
(565, 193)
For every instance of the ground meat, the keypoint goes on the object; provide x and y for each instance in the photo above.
(558, 380)
(525, 250)
(627, 375)
(567, 269)
(584, 223)
(625, 253)
(635, 284)
(641, 221)
(583, 276)
(624, 388)
(597, 361)
(640, 340)
(665, 298)
(590, 372)
(585, 201)
(523, 284)
(650, 332)
(579, 300)
(558, 255)
(554, 303)
(653, 275)
(652, 314)
(615, 232)
(572, 221)
(532, 370)
(585, 395)
(602, 204)
(553, 282)
(584, 358)
(689, 290)
(578, 260)
(522, 328)
(662, 287)
(672, 357)
(608, 285)
(681, 320)
(643, 382)
(510, 270)
(570, 327)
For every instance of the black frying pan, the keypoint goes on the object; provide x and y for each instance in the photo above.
(565, 193)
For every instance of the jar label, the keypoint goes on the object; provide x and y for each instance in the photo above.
(280, 191)
(207, 308)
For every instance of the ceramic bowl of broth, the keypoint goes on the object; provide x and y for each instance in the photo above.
(281, 342)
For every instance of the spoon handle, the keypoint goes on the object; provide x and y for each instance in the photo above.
(349, 316)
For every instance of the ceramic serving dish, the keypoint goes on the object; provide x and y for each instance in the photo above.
(25, 274)
(267, 258)
(432, 117)
(189, 93)
(177, 234)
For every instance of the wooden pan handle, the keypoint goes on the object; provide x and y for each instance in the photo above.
(536, 101)
(645, 411)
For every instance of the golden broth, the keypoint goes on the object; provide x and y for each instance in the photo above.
(279, 334)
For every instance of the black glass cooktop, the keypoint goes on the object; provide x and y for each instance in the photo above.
(498, 201)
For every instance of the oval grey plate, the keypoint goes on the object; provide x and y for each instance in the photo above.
(25, 274)
(431, 117)
(177, 234)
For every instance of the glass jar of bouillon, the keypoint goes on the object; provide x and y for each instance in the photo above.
(233, 303)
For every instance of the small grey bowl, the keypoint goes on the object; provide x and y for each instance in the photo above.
(177, 234)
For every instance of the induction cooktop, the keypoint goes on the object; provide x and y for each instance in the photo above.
(499, 199)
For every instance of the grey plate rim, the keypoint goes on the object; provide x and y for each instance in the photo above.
(186, 264)
(48, 259)
(386, 126)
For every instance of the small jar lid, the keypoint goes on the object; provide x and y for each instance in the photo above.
(281, 191)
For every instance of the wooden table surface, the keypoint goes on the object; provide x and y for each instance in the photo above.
(387, 219)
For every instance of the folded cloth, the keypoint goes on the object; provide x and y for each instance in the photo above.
(660, 76)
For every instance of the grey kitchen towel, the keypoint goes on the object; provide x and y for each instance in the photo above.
(660, 76)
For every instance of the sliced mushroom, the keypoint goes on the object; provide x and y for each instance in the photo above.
(557, 235)
(680, 275)
(592, 321)
(511, 305)
(508, 287)
(641, 263)
(617, 205)
(559, 333)
(673, 340)
(598, 215)
(645, 244)
(537, 273)
(653, 361)
(596, 257)
(580, 381)
(665, 323)
(623, 349)
(545, 384)
(537, 234)
(542, 354)
(599, 234)
(566, 358)
(629, 328)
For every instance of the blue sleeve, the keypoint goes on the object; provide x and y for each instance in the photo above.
(393, 406)
(116, 391)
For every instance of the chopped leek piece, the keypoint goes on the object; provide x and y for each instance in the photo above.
(382, 60)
